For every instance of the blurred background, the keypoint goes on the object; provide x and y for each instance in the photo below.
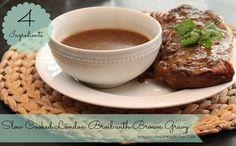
(224, 8)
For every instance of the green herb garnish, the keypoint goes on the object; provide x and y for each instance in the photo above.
(190, 35)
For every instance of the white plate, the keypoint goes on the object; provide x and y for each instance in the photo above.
(133, 95)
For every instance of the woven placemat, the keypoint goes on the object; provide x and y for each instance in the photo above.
(22, 89)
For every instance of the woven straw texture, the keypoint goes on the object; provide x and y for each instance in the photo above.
(24, 92)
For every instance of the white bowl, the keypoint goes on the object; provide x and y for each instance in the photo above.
(105, 68)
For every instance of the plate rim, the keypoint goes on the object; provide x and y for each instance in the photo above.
(125, 105)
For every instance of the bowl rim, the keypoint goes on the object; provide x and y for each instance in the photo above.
(158, 36)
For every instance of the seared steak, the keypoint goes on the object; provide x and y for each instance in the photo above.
(193, 66)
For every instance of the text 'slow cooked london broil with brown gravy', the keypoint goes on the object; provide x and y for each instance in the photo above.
(195, 51)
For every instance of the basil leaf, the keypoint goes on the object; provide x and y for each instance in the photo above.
(206, 42)
(211, 31)
(190, 39)
(190, 35)
(184, 27)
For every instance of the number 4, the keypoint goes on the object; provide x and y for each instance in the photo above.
(27, 20)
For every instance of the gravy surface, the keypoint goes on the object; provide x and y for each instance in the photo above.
(105, 39)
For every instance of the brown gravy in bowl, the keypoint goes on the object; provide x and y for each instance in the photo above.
(105, 39)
